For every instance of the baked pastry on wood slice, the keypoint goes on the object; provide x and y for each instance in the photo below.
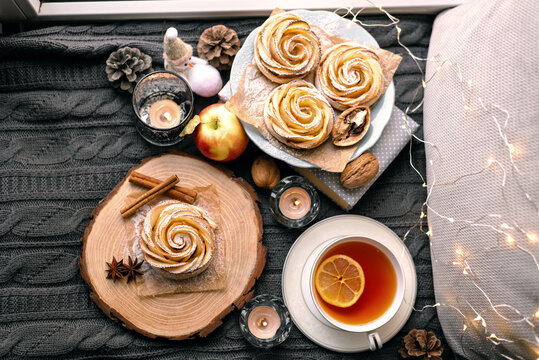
(171, 316)
(286, 48)
(298, 115)
(177, 240)
(351, 126)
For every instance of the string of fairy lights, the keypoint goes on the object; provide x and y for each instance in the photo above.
(510, 234)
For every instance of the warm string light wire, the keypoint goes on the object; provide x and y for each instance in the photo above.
(505, 230)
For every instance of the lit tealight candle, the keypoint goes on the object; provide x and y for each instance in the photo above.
(263, 322)
(165, 114)
(295, 203)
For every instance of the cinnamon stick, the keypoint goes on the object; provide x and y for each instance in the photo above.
(143, 199)
(172, 192)
(178, 192)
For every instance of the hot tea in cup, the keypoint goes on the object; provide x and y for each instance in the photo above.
(356, 284)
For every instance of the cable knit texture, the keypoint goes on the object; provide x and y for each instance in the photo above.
(67, 138)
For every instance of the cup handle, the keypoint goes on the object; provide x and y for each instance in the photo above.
(375, 343)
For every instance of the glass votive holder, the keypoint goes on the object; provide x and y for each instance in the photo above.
(294, 202)
(164, 103)
(265, 321)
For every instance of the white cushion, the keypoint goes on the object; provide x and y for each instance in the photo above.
(496, 46)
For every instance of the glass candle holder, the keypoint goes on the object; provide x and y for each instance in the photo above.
(265, 321)
(163, 102)
(294, 202)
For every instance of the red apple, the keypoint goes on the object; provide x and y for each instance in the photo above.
(220, 136)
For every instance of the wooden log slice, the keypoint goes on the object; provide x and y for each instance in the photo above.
(183, 315)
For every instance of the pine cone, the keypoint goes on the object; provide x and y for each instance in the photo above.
(421, 344)
(218, 45)
(126, 66)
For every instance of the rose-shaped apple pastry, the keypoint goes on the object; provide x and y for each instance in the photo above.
(350, 75)
(286, 48)
(297, 115)
(177, 240)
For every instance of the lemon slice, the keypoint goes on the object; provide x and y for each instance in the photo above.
(340, 281)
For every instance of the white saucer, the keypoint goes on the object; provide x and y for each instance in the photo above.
(338, 226)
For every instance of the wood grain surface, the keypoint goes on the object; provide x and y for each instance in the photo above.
(183, 315)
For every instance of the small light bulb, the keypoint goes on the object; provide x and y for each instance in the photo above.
(459, 251)
(532, 238)
(511, 148)
(491, 161)
(450, 219)
(510, 240)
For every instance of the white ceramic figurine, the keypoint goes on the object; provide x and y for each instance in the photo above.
(203, 78)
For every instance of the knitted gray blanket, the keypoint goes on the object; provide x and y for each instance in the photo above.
(67, 138)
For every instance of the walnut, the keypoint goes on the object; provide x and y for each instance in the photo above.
(351, 126)
(265, 172)
(360, 171)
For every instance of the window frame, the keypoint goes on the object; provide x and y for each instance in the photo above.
(171, 9)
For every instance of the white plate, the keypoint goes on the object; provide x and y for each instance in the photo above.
(333, 24)
(330, 228)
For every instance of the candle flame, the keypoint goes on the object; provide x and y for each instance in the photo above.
(166, 116)
(262, 322)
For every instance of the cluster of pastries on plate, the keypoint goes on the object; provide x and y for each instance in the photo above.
(348, 77)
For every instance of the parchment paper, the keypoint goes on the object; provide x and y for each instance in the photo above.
(153, 284)
(254, 88)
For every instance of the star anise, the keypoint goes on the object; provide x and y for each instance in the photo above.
(116, 269)
(132, 269)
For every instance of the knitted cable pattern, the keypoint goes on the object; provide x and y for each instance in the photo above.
(67, 138)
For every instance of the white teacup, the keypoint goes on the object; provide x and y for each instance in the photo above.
(370, 328)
